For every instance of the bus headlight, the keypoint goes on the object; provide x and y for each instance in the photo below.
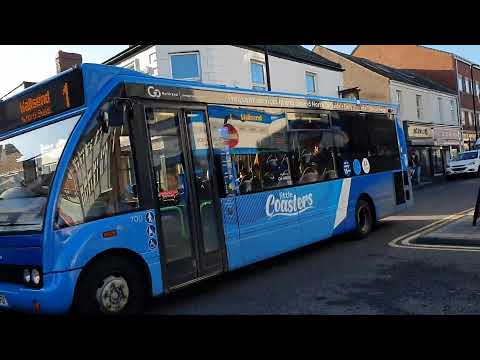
(36, 277)
(27, 276)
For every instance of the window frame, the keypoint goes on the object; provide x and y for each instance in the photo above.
(398, 94)
(184, 53)
(419, 105)
(258, 85)
(315, 87)
(440, 109)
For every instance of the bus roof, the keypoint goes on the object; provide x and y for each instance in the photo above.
(78, 87)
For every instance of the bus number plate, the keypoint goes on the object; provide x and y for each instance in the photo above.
(3, 300)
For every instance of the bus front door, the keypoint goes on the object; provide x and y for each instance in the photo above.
(190, 231)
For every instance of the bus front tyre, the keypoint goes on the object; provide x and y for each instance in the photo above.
(364, 219)
(111, 286)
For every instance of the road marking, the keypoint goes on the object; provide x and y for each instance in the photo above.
(415, 217)
(404, 241)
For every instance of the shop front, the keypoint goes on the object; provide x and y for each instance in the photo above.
(448, 139)
(434, 146)
(469, 139)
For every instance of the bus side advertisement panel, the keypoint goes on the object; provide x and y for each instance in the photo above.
(319, 221)
(268, 224)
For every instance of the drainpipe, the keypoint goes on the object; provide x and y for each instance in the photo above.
(474, 107)
(267, 69)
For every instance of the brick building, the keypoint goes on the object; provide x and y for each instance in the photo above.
(451, 70)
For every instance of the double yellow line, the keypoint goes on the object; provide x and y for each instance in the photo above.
(405, 241)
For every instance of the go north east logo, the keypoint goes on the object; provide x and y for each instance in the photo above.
(287, 204)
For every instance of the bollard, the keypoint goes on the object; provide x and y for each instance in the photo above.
(477, 208)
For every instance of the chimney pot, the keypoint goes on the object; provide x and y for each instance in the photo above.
(65, 60)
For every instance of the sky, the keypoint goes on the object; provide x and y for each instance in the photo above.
(37, 62)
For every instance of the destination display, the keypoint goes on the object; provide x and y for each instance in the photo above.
(52, 98)
(227, 98)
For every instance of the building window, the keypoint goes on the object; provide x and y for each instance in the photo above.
(462, 113)
(419, 107)
(460, 83)
(440, 113)
(257, 70)
(467, 85)
(452, 110)
(399, 100)
(477, 88)
(470, 118)
(186, 66)
(311, 80)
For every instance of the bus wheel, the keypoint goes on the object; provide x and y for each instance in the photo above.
(364, 219)
(111, 286)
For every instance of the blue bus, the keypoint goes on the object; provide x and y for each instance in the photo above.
(116, 186)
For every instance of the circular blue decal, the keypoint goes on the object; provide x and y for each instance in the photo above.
(347, 170)
(357, 167)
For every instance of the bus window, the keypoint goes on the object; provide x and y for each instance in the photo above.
(100, 180)
(250, 148)
(314, 153)
(311, 141)
(371, 136)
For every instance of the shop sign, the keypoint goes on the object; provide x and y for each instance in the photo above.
(444, 136)
(419, 132)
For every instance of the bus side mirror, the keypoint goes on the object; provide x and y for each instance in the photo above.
(118, 113)
(114, 114)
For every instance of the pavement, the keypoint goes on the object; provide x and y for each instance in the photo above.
(460, 232)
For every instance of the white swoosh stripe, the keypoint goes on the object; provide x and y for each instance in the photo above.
(342, 206)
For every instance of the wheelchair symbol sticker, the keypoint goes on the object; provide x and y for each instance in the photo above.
(357, 168)
(347, 170)
(151, 231)
(152, 244)
(149, 217)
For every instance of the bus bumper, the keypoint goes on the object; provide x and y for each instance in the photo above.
(55, 297)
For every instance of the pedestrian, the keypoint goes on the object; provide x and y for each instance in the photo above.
(411, 166)
(418, 168)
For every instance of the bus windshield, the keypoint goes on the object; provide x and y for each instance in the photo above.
(27, 165)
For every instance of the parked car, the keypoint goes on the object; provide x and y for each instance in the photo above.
(467, 162)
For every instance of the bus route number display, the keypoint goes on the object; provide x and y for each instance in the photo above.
(54, 97)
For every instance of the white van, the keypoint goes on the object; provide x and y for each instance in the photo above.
(467, 162)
